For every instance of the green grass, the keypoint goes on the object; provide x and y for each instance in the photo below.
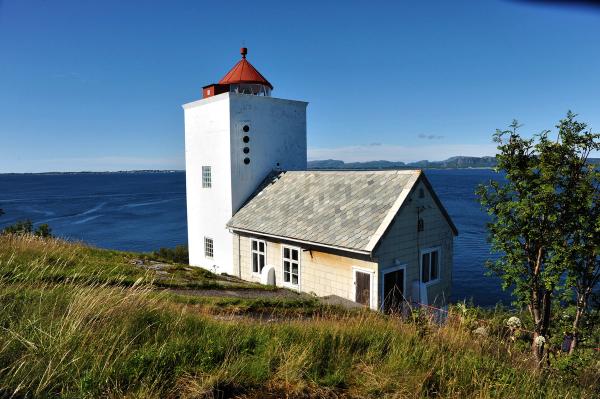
(270, 309)
(71, 327)
(55, 261)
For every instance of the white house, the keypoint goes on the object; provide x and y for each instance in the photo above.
(254, 211)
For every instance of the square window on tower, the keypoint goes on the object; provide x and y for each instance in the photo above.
(206, 177)
(208, 247)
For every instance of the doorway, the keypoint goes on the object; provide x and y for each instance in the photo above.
(362, 283)
(393, 291)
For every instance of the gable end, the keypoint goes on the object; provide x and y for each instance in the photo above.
(399, 204)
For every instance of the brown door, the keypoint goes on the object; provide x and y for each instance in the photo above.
(363, 288)
(393, 285)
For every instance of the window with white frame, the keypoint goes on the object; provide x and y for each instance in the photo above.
(259, 250)
(291, 265)
(208, 247)
(206, 177)
(430, 265)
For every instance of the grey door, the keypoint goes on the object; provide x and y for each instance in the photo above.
(363, 288)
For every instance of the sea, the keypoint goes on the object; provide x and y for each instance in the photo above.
(142, 212)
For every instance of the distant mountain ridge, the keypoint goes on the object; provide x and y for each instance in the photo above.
(457, 162)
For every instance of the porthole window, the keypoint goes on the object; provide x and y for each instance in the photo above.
(246, 139)
(246, 128)
(246, 150)
(246, 161)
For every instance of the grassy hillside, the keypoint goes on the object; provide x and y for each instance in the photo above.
(79, 322)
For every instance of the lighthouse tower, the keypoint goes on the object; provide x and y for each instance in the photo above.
(234, 137)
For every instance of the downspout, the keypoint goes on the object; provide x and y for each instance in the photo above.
(419, 265)
(239, 258)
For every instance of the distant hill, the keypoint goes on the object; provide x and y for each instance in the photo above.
(458, 162)
(336, 164)
(450, 163)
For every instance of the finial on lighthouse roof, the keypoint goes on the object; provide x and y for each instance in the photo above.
(242, 78)
(243, 73)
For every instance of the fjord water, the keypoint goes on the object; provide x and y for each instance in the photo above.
(146, 211)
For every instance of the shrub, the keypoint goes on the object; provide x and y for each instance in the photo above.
(179, 254)
(23, 227)
(43, 230)
(19, 228)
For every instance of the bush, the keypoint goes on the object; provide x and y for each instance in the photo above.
(43, 230)
(19, 228)
(23, 227)
(179, 254)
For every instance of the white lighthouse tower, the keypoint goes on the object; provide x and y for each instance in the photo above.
(234, 137)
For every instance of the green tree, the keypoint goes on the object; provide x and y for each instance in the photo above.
(43, 230)
(537, 217)
(579, 204)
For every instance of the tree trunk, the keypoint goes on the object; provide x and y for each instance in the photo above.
(541, 310)
(537, 320)
(538, 353)
(581, 305)
(547, 312)
(541, 301)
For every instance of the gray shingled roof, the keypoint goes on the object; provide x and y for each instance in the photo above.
(345, 209)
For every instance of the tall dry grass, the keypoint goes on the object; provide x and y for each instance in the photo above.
(82, 336)
(32, 259)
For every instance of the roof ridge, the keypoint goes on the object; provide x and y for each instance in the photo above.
(389, 171)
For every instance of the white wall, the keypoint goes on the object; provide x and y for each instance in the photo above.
(277, 135)
(213, 137)
(207, 144)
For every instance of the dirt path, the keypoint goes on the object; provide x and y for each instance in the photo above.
(241, 293)
(233, 287)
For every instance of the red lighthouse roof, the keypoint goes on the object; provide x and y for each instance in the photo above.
(243, 72)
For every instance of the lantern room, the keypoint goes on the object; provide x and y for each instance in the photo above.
(242, 78)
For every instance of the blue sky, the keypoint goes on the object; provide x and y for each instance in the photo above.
(98, 85)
